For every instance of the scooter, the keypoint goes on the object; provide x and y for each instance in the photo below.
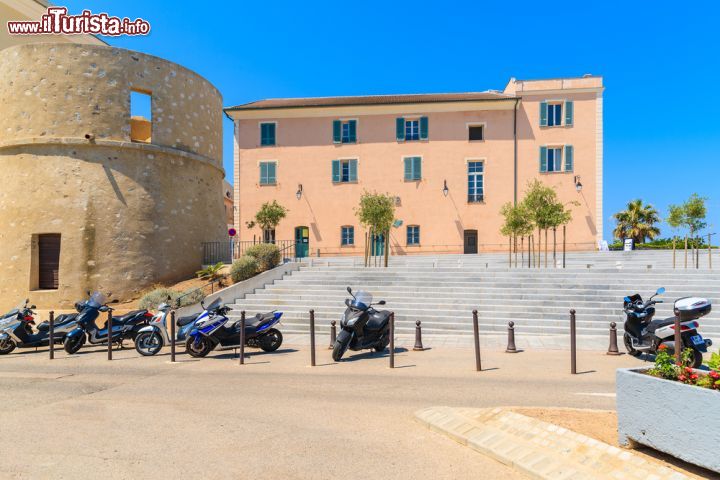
(19, 332)
(362, 327)
(124, 327)
(645, 335)
(153, 337)
(216, 329)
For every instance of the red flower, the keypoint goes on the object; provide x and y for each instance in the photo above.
(688, 369)
(682, 378)
(714, 374)
(693, 376)
(662, 347)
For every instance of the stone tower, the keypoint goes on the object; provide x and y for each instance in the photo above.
(91, 197)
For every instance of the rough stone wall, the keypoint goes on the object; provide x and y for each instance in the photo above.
(130, 214)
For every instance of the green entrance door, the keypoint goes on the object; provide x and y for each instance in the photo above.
(378, 245)
(302, 242)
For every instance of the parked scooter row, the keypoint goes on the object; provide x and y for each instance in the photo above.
(201, 333)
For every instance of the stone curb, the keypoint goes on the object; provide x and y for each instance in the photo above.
(539, 449)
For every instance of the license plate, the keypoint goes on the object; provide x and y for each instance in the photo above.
(697, 339)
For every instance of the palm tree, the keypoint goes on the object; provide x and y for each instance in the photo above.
(637, 222)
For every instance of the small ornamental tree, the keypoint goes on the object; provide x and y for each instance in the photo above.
(517, 224)
(376, 212)
(690, 215)
(539, 202)
(269, 216)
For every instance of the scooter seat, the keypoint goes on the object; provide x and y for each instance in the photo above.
(59, 320)
(377, 321)
(182, 321)
(129, 316)
(655, 324)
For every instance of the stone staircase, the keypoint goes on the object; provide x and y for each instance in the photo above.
(442, 291)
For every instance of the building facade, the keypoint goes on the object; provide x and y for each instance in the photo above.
(450, 160)
(99, 198)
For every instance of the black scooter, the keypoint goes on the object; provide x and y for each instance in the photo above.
(362, 327)
(124, 327)
(18, 333)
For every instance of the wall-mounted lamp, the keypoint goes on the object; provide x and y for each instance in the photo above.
(446, 190)
(298, 194)
(578, 185)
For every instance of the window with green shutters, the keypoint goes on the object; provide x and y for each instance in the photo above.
(411, 129)
(413, 168)
(267, 134)
(344, 171)
(344, 131)
(551, 113)
(268, 173)
(557, 159)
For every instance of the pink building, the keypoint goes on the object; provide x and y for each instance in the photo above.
(451, 161)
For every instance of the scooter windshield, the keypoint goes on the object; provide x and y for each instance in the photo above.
(215, 304)
(97, 300)
(362, 300)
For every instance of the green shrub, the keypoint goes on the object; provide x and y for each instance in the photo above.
(152, 299)
(243, 268)
(266, 254)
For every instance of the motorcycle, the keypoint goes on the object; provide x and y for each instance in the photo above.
(362, 327)
(124, 327)
(17, 331)
(153, 337)
(645, 335)
(216, 329)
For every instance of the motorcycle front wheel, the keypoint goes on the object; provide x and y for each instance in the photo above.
(73, 344)
(339, 350)
(7, 346)
(148, 343)
(271, 341)
(199, 349)
(627, 340)
(697, 359)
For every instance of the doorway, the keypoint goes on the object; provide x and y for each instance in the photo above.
(378, 245)
(470, 242)
(48, 261)
(302, 242)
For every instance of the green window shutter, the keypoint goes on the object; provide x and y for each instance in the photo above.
(337, 131)
(417, 168)
(336, 171)
(353, 171)
(568, 112)
(353, 130)
(423, 128)
(569, 160)
(408, 168)
(543, 114)
(263, 173)
(400, 129)
(272, 173)
(543, 159)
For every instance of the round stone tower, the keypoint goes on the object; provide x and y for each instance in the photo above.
(92, 197)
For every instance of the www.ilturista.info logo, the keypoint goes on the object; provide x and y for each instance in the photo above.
(57, 22)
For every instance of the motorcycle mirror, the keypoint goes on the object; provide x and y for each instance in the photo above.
(32, 307)
(381, 302)
(660, 291)
(27, 300)
(349, 290)
(627, 299)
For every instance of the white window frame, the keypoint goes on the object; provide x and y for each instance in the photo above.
(343, 122)
(407, 228)
(562, 158)
(483, 160)
(342, 244)
(561, 103)
(411, 119)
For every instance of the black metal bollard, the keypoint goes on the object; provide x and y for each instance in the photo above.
(242, 337)
(312, 338)
(613, 348)
(51, 337)
(172, 336)
(573, 351)
(476, 335)
(511, 339)
(333, 334)
(109, 334)
(418, 337)
(678, 342)
(392, 340)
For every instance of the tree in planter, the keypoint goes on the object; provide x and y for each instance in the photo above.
(559, 215)
(538, 202)
(517, 224)
(690, 215)
(637, 221)
(268, 217)
(376, 212)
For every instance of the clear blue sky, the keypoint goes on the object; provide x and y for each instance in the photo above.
(660, 61)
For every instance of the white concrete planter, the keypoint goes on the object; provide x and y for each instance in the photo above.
(680, 420)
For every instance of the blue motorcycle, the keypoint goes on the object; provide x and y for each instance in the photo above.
(214, 328)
